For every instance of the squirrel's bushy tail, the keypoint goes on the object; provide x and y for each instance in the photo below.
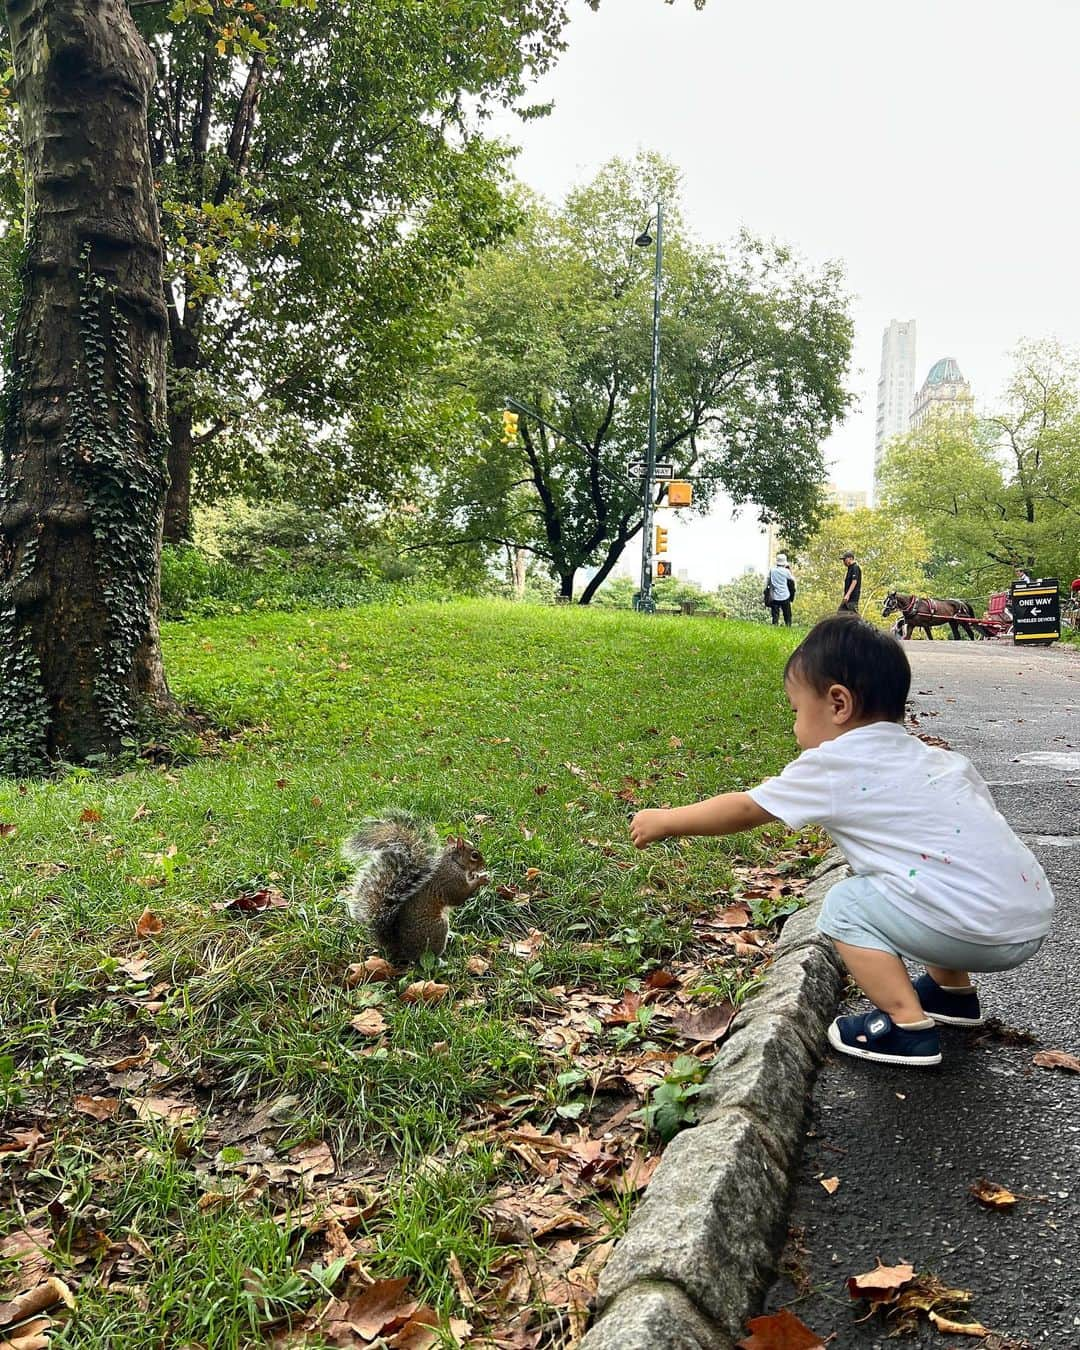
(395, 854)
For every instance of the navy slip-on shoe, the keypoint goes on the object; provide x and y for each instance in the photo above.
(954, 1010)
(874, 1035)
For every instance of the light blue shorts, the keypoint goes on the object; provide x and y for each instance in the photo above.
(856, 912)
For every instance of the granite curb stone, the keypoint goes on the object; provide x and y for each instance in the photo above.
(658, 1315)
(711, 1223)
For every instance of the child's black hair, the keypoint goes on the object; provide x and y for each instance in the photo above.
(844, 649)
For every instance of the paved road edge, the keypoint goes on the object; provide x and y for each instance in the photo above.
(702, 1246)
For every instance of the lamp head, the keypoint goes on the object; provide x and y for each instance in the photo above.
(644, 239)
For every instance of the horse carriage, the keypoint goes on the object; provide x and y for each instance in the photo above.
(1036, 621)
(927, 613)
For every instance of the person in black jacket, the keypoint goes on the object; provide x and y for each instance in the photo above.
(852, 584)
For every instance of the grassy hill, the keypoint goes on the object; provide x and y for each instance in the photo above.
(189, 1071)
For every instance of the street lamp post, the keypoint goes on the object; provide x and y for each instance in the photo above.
(645, 601)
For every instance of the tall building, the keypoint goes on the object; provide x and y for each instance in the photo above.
(846, 499)
(896, 386)
(945, 392)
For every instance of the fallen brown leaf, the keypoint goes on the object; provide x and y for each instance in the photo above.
(30, 1336)
(476, 965)
(6, 830)
(831, 1184)
(45, 1295)
(370, 1022)
(89, 817)
(148, 924)
(22, 1141)
(135, 1061)
(424, 991)
(372, 970)
(735, 916)
(881, 1284)
(101, 1108)
(625, 1011)
(780, 1331)
(709, 1024)
(171, 1110)
(253, 902)
(992, 1195)
(1056, 1059)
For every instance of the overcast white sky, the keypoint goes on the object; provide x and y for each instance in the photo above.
(930, 146)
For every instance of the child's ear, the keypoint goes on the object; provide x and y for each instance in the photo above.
(841, 703)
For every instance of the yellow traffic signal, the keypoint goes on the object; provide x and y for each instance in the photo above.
(661, 539)
(663, 568)
(510, 427)
(680, 494)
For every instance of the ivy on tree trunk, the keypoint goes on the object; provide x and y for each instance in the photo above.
(83, 476)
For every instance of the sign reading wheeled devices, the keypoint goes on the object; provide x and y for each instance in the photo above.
(1036, 611)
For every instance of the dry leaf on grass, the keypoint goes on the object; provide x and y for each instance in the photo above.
(992, 1195)
(253, 902)
(148, 924)
(831, 1184)
(370, 971)
(882, 1284)
(22, 1141)
(27, 1249)
(476, 965)
(101, 1108)
(382, 1307)
(424, 991)
(1056, 1059)
(7, 830)
(370, 1022)
(89, 817)
(735, 916)
(137, 967)
(30, 1336)
(171, 1110)
(625, 1012)
(35, 1301)
(780, 1331)
(135, 1061)
(307, 1161)
(708, 1024)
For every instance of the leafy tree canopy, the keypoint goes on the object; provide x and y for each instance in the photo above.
(891, 552)
(1000, 491)
(754, 348)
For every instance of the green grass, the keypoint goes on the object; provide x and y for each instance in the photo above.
(518, 726)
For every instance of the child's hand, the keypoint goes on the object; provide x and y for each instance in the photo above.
(648, 826)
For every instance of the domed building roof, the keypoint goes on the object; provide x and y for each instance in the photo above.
(945, 371)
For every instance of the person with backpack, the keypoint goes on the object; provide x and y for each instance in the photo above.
(780, 590)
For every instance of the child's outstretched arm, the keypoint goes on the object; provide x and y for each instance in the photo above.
(727, 814)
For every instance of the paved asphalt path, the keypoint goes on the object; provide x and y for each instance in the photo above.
(907, 1144)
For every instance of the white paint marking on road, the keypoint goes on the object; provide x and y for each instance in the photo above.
(1053, 759)
(1053, 840)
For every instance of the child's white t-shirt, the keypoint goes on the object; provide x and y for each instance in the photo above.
(921, 823)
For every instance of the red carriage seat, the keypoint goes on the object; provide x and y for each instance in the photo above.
(997, 604)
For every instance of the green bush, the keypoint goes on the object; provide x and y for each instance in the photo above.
(194, 585)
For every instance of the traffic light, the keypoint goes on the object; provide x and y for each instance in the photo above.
(680, 494)
(510, 427)
(661, 539)
(663, 568)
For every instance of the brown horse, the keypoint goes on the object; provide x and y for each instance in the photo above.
(919, 611)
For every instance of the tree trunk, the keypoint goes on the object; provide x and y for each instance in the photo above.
(178, 529)
(83, 476)
(614, 553)
(566, 587)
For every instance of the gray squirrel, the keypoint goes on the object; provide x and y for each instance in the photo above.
(403, 887)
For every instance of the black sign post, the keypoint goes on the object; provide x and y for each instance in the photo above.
(1036, 611)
